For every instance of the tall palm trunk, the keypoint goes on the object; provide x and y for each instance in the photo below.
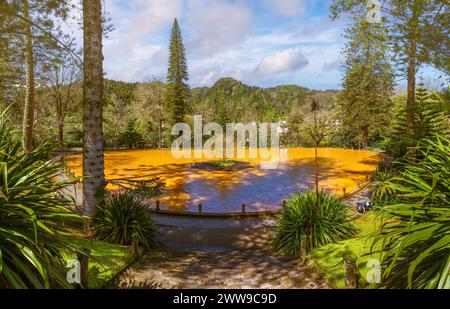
(28, 112)
(317, 140)
(316, 157)
(93, 161)
(61, 133)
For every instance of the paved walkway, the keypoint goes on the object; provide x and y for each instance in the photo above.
(203, 269)
(209, 253)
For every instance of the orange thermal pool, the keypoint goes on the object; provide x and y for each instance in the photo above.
(260, 187)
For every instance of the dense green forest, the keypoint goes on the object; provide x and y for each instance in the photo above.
(139, 109)
(136, 115)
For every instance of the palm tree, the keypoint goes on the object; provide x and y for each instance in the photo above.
(93, 161)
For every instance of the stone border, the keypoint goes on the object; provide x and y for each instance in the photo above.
(363, 186)
(242, 215)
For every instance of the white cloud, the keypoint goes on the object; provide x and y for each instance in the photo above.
(140, 18)
(223, 38)
(215, 25)
(280, 62)
(286, 7)
(130, 50)
(335, 65)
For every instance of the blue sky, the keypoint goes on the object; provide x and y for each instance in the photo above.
(260, 42)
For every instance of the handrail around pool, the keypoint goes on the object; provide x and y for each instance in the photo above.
(237, 215)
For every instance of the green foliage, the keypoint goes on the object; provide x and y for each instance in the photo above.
(323, 221)
(381, 191)
(287, 95)
(424, 22)
(124, 219)
(225, 164)
(33, 216)
(118, 91)
(106, 261)
(144, 189)
(430, 118)
(364, 104)
(416, 234)
(148, 108)
(117, 98)
(177, 92)
(229, 100)
(131, 138)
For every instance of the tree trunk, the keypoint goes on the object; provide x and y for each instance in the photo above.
(28, 113)
(159, 133)
(93, 161)
(411, 95)
(316, 157)
(365, 140)
(61, 133)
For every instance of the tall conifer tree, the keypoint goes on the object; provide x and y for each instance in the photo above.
(417, 34)
(364, 103)
(177, 92)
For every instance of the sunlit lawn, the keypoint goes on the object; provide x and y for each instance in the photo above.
(329, 260)
(106, 262)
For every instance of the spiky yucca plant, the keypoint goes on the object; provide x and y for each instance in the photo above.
(381, 191)
(322, 223)
(33, 216)
(124, 219)
(416, 234)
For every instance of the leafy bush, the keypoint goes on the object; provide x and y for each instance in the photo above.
(324, 222)
(33, 216)
(416, 233)
(124, 219)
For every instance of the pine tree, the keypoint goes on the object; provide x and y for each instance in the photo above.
(364, 104)
(430, 116)
(177, 92)
(32, 23)
(222, 113)
(417, 33)
(131, 138)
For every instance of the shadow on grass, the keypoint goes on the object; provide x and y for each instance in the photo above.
(107, 260)
(329, 258)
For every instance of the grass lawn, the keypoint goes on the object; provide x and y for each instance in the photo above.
(328, 258)
(107, 260)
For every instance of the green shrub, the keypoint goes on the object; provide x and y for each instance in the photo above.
(33, 216)
(324, 222)
(131, 138)
(416, 232)
(124, 219)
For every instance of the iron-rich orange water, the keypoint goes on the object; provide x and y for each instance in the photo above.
(225, 191)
